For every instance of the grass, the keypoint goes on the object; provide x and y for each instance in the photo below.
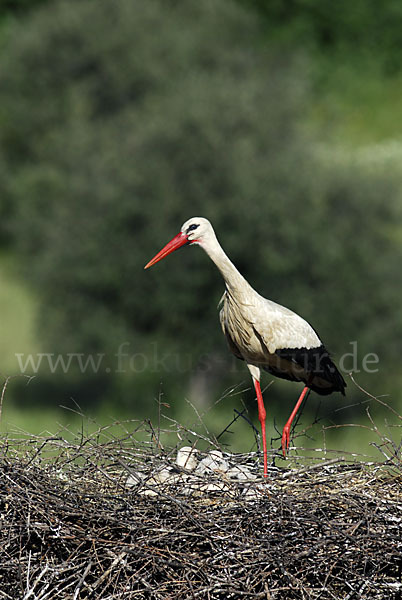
(359, 439)
(18, 309)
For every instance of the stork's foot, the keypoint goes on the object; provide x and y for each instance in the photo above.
(285, 439)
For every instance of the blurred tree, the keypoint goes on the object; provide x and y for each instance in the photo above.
(18, 7)
(121, 120)
(360, 30)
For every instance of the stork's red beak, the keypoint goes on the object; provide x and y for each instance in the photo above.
(179, 240)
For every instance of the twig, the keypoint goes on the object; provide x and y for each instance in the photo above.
(30, 592)
(81, 581)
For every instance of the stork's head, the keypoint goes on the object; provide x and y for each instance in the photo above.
(196, 230)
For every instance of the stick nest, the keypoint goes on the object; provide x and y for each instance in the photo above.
(91, 519)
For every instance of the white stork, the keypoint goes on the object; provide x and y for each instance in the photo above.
(262, 333)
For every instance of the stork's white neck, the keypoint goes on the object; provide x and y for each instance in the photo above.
(234, 280)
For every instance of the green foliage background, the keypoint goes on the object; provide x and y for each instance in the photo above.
(120, 120)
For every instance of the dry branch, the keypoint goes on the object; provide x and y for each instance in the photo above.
(72, 527)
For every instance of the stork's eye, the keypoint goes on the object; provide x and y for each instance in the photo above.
(192, 227)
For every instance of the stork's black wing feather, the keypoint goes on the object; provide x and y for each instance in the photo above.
(322, 375)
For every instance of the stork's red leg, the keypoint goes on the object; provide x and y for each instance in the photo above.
(286, 429)
(261, 417)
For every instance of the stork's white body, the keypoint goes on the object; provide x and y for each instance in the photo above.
(260, 327)
(260, 332)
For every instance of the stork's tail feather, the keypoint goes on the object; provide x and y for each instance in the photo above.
(327, 374)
